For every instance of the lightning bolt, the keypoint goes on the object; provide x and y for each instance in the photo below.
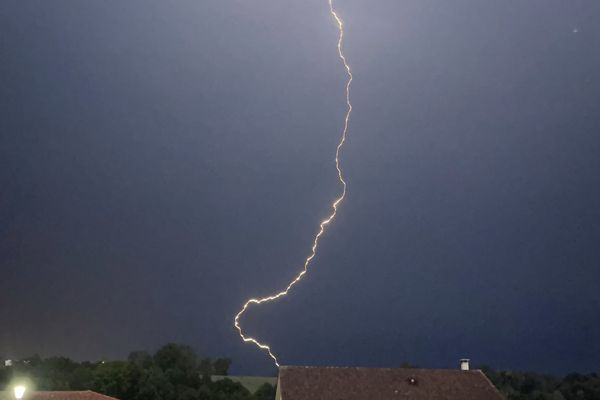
(334, 205)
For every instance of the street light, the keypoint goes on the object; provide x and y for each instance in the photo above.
(19, 392)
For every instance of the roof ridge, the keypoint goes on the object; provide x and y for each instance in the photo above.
(490, 382)
(377, 368)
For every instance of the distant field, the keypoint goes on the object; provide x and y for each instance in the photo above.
(252, 383)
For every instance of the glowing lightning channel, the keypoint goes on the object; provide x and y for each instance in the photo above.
(324, 223)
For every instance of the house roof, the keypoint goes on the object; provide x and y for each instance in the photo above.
(58, 395)
(330, 383)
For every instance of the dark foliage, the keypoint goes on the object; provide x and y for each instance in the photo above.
(265, 392)
(174, 372)
(532, 386)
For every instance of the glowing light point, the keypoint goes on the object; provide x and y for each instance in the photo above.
(19, 391)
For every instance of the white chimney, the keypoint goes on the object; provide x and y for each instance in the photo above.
(464, 364)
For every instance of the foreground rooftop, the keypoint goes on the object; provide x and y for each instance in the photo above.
(57, 395)
(333, 383)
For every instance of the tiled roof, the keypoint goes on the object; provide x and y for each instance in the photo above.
(320, 383)
(58, 395)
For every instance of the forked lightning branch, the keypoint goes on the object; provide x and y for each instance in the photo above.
(334, 205)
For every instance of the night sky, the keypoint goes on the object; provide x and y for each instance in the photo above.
(161, 162)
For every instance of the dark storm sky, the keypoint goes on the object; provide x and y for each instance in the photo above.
(161, 162)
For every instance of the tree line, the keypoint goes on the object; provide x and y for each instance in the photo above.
(174, 372)
(533, 386)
